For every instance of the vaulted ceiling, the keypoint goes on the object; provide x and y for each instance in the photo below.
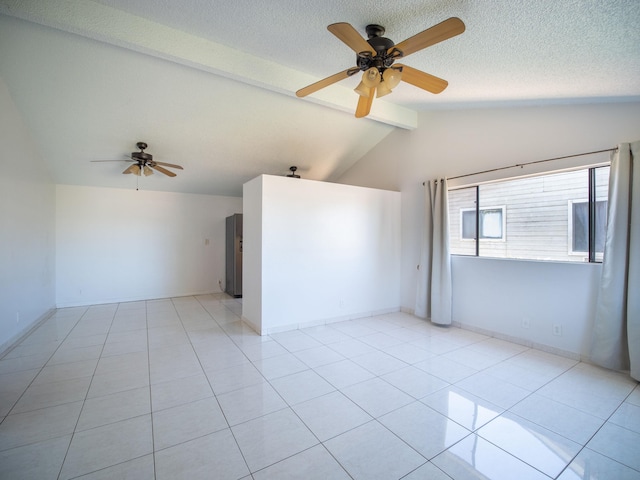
(211, 85)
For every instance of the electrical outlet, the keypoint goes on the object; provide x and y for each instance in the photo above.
(557, 330)
(525, 323)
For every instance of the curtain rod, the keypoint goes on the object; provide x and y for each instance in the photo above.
(531, 163)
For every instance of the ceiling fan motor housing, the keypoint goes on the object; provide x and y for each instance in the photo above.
(142, 157)
(379, 43)
(382, 59)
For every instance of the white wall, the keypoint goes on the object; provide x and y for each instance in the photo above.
(456, 142)
(526, 299)
(27, 228)
(252, 252)
(328, 252)
(118, 245)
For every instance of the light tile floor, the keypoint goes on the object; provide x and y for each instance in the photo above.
(180, 388)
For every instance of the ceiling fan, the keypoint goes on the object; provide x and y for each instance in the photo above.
(144, 163)
(376, 58)
(293, 173)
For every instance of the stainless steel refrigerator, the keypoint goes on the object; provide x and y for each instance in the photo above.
(233, 284)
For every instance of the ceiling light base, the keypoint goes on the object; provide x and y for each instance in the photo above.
(293, 173)
(379, 43)
(375, 31)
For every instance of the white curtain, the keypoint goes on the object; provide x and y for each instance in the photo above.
(433, 297)
(616, 337)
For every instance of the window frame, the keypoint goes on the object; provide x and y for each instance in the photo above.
(590, 257)
(503, 218)
(570, 250)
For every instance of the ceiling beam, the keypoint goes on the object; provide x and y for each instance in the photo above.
(115, 27)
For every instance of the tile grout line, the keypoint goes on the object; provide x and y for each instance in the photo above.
(505, 410)
(582, 447)
(453, 384)
(233, 435)
(336, 389)
(287, 407)
(73, 433)
(153, 444)
(44, 365)
(376, 419)
(36, 376)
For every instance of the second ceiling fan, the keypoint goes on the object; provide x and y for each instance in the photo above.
(143, 163)
(376, 57)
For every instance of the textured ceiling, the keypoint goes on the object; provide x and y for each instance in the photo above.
(211, 85)
(512, 50)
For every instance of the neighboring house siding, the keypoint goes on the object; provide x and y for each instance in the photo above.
(537, 215)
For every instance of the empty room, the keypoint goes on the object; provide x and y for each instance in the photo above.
(331, 240)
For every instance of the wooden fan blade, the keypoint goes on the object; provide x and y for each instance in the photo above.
(135, 169)
(169, 165)
(436, 34)
(422, 80)
(163, 170)
(364, 104)
(314, 87)
(350, 37)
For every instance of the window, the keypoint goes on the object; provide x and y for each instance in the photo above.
(491, 223)
(559, 216)
(579, 227)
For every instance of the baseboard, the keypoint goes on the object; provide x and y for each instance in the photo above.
(107, 301)
(324, 321)
(13, 342)
(520, 341)
(500, 336)
(249, 324)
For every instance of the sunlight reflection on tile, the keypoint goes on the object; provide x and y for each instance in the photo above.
(475, 458)
(464, 408)
(537, 446)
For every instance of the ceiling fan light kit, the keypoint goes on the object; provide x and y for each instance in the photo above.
(362, 90)
(382, 89)
(371, 77)
(376, 56)
(133, 169)
(383, 83)
(392, 77)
